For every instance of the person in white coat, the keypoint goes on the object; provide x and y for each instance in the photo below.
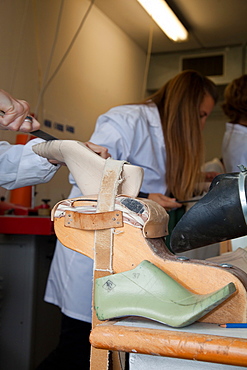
(234, 145)
(161, 134)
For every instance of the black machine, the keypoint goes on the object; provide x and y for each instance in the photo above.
(220, 215)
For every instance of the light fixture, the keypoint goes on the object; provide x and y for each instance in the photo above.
(165, 19)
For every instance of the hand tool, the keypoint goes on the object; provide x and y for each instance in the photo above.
(39, 133)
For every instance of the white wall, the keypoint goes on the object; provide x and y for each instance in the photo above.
(104, 68)
(165, 66)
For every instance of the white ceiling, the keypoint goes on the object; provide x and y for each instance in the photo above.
(211, 23)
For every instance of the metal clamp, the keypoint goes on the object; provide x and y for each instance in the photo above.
(241, 188)
(93, 221)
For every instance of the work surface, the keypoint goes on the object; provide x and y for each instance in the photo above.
(28, 225)
(199, 341)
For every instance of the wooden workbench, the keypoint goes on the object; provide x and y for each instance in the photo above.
(200, 344)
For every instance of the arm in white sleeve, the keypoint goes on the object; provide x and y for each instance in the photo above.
(20, 166)
(116, 131)
(234, 149)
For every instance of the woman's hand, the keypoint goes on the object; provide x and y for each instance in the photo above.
(101, 150)
(14, 114)
(164, 201)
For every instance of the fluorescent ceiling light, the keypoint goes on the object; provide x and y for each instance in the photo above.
(165, 19)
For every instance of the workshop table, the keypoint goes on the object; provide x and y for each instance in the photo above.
(155, 346)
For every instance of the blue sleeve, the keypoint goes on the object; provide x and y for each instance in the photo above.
(20, 166)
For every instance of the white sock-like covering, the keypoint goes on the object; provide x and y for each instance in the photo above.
(87, 167)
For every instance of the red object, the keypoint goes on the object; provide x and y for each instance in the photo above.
(6, 207)
(30, 225)
(22, 196)
(22, 139)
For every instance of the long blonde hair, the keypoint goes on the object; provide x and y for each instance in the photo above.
(178, 102)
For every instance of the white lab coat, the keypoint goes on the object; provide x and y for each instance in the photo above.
(132, 133)
(20, 166)
(234, 147)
